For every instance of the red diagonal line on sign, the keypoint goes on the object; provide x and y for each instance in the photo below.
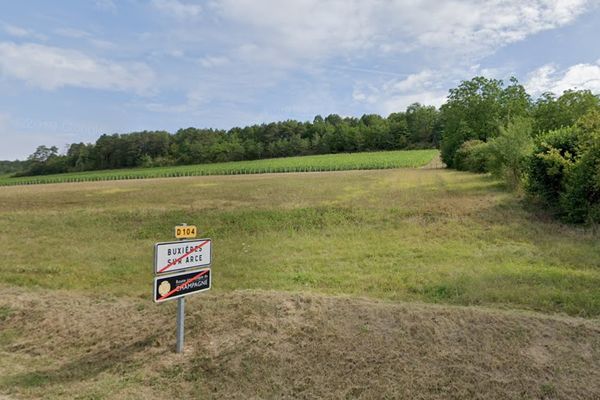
(183, 256)
(192, 279)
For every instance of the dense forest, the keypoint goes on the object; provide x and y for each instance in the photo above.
(549, 147)
(10, 167)
(417, 127)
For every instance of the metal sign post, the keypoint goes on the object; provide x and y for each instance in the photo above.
(180, 324)
(180, 315)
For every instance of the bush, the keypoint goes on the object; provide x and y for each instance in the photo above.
(552, 160)
(507, 153)
(471, 156)
(564, 172)
(581, 199)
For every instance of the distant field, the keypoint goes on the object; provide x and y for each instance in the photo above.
(326, 162)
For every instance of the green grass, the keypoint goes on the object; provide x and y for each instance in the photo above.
(328, 162)
(436, 236)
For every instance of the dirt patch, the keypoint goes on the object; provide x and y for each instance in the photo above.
(435, 163)
(265, 345)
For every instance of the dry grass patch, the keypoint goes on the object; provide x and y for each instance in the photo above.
(256, 344)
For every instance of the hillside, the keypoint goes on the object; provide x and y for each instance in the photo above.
(414, 283)
(430, 235)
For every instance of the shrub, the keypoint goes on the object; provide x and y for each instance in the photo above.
(553, 157)
(471, 156)
(507, 153)
(581, 199)
(564, 170)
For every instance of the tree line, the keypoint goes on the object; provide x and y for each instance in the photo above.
(550, 147)
(11, 167)
(417, 127)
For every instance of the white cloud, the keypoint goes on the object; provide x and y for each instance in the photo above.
(302, 27)
(540, 80)
(195, 98)
(16, 31)
(548, 78)
(270, 42)
(177, 8)
(475, 26)
(72, 33)
(54, 67)
(314, 28)
(106, 5)
(20, 32)
(213, 61)
(428, 87)
(399, 102)
(102, 44)
(397, 94)
(412, 82)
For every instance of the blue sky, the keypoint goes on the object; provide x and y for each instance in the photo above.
(72, 70)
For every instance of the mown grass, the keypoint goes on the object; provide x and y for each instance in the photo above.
(408, 234)
(266, 344)
(327, 162)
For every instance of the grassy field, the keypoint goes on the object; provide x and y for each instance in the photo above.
(332, 273)
(326, 162)
(412, 235)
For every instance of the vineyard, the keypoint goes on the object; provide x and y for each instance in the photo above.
(329, 162)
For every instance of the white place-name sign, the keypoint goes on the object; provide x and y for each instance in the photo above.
(176, 256)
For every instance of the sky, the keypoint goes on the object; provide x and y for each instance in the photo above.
(73, 70)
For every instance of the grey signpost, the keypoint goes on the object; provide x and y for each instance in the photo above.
(180, 323)
(180, 320)
(181, 268)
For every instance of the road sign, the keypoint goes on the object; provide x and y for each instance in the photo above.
(174, 277)
(169, 287)
(185, 231)
(183, 254)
